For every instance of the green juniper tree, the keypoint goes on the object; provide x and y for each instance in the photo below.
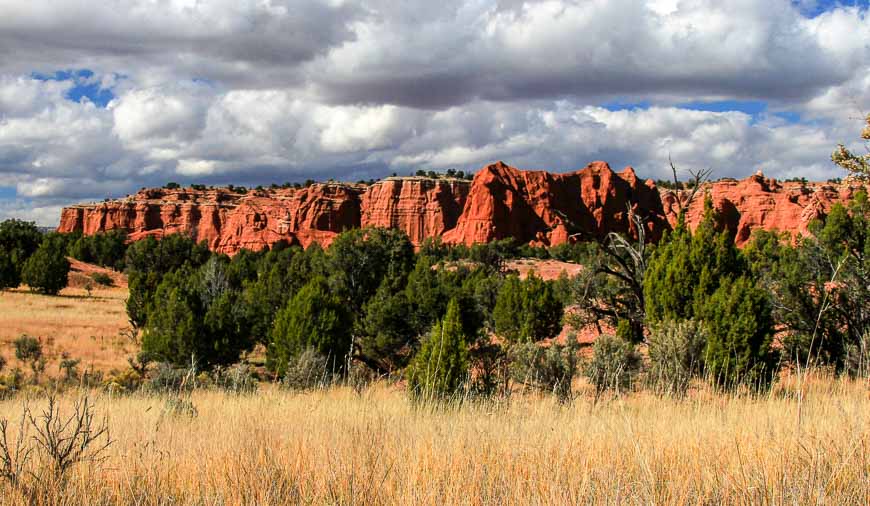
(440, 369)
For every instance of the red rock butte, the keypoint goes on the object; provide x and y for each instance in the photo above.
(536, 207)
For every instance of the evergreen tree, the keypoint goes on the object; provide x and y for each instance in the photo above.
(441, 366)
(174, 331)
(18, 240)
(47, 270)
(197, 314)
(360, 260)
(685, 269)
(313, 318)
(387, 339)
(740, 324)
(527, 310)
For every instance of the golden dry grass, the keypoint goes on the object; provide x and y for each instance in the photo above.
(335, 447)
(87, 328)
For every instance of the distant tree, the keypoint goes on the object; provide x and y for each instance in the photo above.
(360, 260)
(196, 315)
(686, 268)
(18, 240)
(441, 367)
(527, 310)
(46, 271)
(313, 318)
(820, 285)
(172, 185)
(148, 260)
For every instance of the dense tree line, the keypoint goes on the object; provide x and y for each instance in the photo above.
(368, 299)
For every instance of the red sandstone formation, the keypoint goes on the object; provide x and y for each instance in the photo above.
(531, 206)
(545, 208)
(759, 202)
(421, 207)
(229, 221)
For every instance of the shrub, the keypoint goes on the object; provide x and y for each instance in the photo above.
(738, 317)
(307, 370)
(46, 270)
(101, 278)
(551, 368)
(168, 379)
(27, 348)
(2, 363)
(314, 318)
(614, 365)
(236, 379)
(441, 367)
(676, 355)
(126, 381)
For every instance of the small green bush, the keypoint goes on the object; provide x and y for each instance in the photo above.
(676, 355)
(101, 278)
(614, 366)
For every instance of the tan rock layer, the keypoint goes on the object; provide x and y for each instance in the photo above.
(535, 207)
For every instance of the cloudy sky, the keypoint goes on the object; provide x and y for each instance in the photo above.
(101, 97)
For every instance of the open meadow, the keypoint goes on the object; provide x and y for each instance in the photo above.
(85, 326)
(337, 446)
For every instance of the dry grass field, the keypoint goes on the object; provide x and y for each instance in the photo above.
(86, 327)
(377, 447)
(338, 447)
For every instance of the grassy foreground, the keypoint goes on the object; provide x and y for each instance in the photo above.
(338, 447)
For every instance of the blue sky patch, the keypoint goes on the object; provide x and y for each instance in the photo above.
(7, 192)
(85, 85)
(622, 106)
(814, 8)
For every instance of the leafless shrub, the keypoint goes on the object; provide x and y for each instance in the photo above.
(60, 442)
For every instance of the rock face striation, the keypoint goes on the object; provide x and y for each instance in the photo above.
(534, 207)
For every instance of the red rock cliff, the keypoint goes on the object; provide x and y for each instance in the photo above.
(759, 202)
(229, 221)
(546, 208)
(532, 206)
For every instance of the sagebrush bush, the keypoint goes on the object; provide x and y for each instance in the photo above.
(550, 368)
(308, 370)
(168, 379)
(237, 379)
(614, 365)
(676, 355)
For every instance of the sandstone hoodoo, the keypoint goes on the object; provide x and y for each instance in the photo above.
(546, 209)
(536, 207)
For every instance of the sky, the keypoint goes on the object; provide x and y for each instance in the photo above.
(99, 98)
